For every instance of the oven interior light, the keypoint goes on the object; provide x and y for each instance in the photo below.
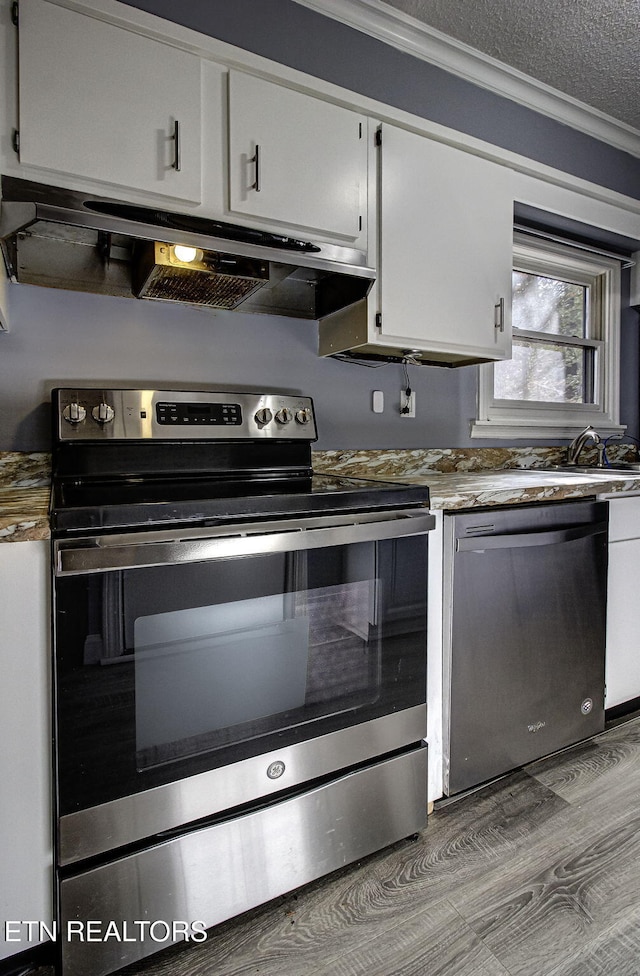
(186, 254)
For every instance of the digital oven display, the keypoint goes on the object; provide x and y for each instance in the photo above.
(188, 414)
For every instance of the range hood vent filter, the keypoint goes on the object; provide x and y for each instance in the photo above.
(218, 281)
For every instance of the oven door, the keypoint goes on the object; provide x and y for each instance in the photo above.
(199, 671)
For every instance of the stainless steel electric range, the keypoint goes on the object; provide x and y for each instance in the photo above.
(240, 664)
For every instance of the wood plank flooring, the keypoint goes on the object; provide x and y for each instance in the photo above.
(537, 874)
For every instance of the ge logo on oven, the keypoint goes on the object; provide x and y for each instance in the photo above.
(275, 770)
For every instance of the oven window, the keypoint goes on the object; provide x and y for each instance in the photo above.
(168, 671)
(207, 676)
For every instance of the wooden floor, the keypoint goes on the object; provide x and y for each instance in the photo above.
(535, 875)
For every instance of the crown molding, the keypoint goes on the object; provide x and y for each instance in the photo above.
(421, 41)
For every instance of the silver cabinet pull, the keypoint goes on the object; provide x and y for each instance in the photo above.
(256, 159)
(498, 319)
(177, 162)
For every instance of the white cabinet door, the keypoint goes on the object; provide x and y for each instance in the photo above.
(622, 672)
(26, 860)
(295, 159)
(623, 635)
(446, 241)
(103, 103)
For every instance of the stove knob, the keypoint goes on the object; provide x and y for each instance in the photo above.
(74, 413)
(263, 416)
(284, 416)
(303, 416)
(103, 413)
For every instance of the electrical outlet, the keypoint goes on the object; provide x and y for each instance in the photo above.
(377, 401)
(407, 404)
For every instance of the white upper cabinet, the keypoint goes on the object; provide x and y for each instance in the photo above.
(105, 104)
(446, 249)
(295, 159)
(445, 246)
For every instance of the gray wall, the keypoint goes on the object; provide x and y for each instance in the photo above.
(63, 338)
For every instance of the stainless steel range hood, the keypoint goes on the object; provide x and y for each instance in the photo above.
(63, 239)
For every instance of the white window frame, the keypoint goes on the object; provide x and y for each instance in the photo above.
(532, 419)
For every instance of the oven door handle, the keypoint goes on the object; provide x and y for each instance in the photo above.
(102, 554)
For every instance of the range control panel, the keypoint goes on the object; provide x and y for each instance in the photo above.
(100, 415)
(212, 414)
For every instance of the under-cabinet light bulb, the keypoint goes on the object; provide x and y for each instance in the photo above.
(185, 253)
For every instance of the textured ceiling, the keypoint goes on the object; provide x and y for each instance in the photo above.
(589, 49)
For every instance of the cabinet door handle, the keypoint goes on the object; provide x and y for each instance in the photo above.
(498, 315)
(177, 162)
(256, 159)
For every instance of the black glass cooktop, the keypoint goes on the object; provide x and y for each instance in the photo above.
(116, 504)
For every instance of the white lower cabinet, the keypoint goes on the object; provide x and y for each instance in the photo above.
(623, 634)
(26, 858)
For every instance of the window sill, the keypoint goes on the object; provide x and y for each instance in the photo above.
(548, 431)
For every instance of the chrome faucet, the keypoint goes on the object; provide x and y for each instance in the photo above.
(576, 445)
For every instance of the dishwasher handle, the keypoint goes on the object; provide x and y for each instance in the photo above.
(521, 540)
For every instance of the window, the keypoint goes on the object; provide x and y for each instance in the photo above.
(563, 373)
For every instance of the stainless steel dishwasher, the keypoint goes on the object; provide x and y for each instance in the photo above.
(525, 591)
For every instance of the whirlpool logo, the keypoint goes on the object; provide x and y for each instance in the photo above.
(536, 726)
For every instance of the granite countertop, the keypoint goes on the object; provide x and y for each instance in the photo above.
(457, 479)
(458, 491)
(24, 496)
(468, 478)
